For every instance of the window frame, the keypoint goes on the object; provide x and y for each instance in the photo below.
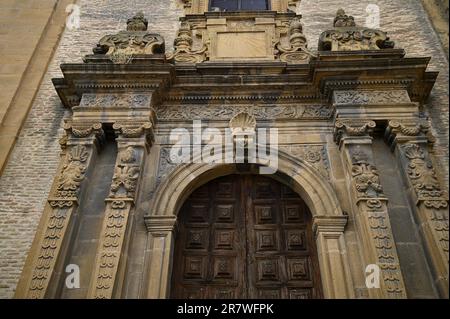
(268, 6)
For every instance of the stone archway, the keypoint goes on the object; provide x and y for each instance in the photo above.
(328, 221)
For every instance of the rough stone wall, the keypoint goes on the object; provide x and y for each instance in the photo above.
(27, 178)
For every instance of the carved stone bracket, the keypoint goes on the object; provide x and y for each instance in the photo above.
(346, 36)
(132, 145)
(79, 147)
(372, 216)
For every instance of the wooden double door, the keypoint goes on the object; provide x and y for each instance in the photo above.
(245, 236)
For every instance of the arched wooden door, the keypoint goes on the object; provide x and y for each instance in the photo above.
(245, 236)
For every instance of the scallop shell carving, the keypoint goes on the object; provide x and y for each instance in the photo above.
(243, 123)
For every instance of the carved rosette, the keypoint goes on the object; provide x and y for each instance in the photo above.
(346, 36)
(315, 155)
(132, 142)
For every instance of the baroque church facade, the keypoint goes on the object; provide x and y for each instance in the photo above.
(356, 205)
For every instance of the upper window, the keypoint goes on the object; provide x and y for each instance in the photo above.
(239, 5)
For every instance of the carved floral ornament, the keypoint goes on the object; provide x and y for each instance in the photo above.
(423, 177)
(365, 176)
(358, 97)
(121, 47)
(346, 36)
(226, 112)
(70, 178)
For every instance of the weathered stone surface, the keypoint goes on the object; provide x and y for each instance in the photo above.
(26, 181)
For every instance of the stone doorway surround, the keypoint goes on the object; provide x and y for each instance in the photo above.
(328, 222)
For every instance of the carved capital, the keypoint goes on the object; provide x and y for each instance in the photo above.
(135, 130)
(83, 130)
(329, 224)
(160, 226)
(402, 132)
(352, 128)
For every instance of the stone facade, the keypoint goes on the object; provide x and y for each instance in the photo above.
(340, 137)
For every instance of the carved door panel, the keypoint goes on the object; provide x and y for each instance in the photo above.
(280, 249)
(244, 236)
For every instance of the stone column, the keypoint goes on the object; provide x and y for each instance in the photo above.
(80, 145)
(336, 278)
(410, 143)
(161, 232)
(133, 146)
(372, 218)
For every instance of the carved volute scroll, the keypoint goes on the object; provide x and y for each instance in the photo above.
(297, 51)
(346, 36)
(121, 47)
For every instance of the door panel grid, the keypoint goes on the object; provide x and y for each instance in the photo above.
(245, 236)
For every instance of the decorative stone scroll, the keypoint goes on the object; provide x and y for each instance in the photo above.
(346, 36)
(226, 112)
(184, 52)
(353, 97)
(410, 142)
(133, 142)
(297, 51)
(122, 46)
(79, 146)
(349, 128)
(131, 100)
